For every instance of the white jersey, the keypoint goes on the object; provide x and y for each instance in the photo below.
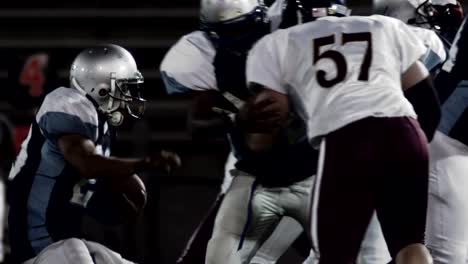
(338, 70)
(435, 53)
(188, 65)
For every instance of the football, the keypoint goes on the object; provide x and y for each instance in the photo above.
(117, 201)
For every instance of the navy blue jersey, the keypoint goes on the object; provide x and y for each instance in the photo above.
(47, 195)
(452, 86)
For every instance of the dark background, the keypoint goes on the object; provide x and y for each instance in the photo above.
(60, 29)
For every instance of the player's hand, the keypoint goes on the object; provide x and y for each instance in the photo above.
(165, 160)
(262, 114)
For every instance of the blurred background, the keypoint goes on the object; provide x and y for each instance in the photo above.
(39, 41)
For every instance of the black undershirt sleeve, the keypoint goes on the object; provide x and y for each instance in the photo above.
(426, 103)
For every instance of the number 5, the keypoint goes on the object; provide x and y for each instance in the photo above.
(339, 59)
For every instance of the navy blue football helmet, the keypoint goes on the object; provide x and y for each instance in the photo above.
(302, 11)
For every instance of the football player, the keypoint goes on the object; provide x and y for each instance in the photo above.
(446, 234)
(66, 155)
(215, 75)
(345, 76)
(447, 231)
(217, 64)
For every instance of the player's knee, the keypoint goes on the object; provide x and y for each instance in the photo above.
(75, 247)
(414, 254)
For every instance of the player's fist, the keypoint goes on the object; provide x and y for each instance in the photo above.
(165, 160)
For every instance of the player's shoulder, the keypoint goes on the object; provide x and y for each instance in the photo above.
(192, 47)
(426, 34)
(68, 103)
(277, 37)
(377, 19)
(382, 20)
(431, 40)
(188, 65)
(273, 44)
(197, 39)
(378, 22)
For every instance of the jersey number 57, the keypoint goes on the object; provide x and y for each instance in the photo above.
(339, 59)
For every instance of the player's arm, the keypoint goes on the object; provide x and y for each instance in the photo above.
(203, 121)
(195, 78)
(266, 113)
(81, 153)
(419, 90)
(263, 117)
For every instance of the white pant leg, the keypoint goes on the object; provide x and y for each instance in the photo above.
(231, 219)
(104, 255)
(293, 202)
(374, 248)
(295, 199)
(228, 167)
(77, 251)
(284, 235)
(447, 215)
(72, 251)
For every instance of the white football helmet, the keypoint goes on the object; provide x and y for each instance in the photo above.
(108, 75)
(413, 12)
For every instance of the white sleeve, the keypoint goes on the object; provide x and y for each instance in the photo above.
(275, 14)
(66, 111)
(435, 54)
(188, 65)
(409, 46)
(264, 63)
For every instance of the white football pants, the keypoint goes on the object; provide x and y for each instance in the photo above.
(447, 215)
(77, 251)
(270, 234)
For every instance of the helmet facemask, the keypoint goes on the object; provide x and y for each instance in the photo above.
(448, 18)
(424, 16)
(117, 95)
(127, 94)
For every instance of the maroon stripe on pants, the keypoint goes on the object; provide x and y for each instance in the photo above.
(372, 164)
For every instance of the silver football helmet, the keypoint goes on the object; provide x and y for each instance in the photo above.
(217, 11)
(108, 74)
(413, 12)
(234, 24)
